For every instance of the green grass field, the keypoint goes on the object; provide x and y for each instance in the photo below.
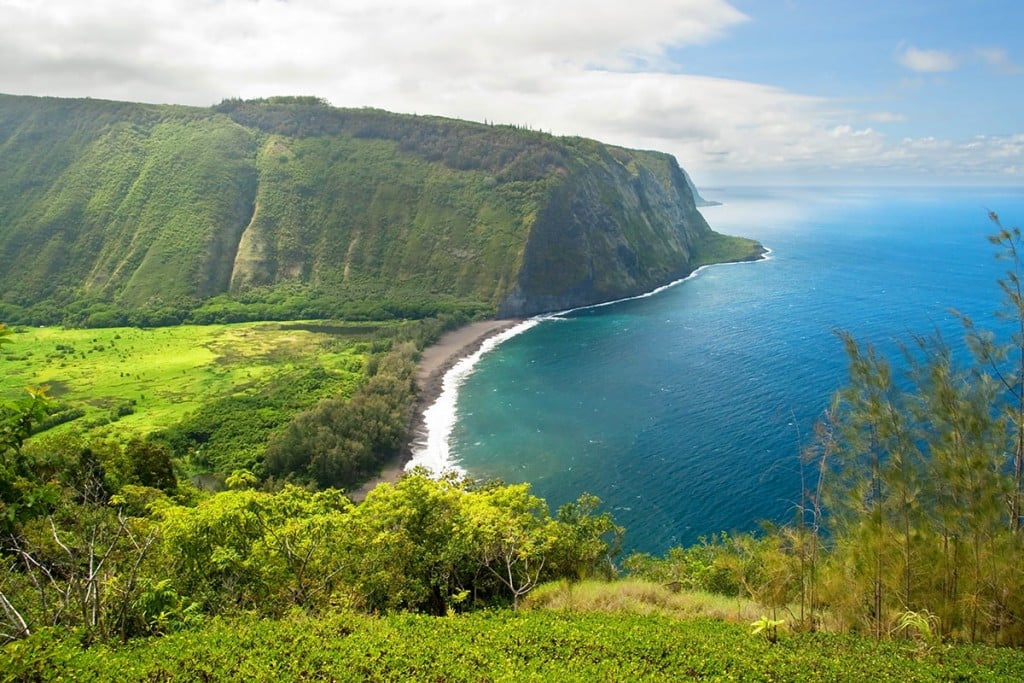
(163, 374)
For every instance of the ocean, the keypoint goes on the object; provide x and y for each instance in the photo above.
(686, 411)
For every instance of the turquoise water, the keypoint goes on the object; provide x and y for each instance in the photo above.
(685, 411)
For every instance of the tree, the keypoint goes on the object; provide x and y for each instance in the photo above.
(151, 464)
(514, 536)
(923, 479)
(588, 541)
(79, 567)
(342, 442)
(20, 494)
(252, 550)
(1006, 361)
(409, 546)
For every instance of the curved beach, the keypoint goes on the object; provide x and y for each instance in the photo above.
(439, 360)
(435, 361)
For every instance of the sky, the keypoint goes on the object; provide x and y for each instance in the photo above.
(744, 91)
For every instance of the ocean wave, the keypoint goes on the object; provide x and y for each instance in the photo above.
(431, 450)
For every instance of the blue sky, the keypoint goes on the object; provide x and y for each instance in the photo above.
(741, 91)
(862, 56)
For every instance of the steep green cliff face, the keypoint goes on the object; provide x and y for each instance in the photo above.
(622, 223)
(122, 202)
(112, 207)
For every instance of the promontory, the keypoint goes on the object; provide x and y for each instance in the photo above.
(117, 213)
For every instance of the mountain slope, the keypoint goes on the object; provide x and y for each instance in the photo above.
(289, 207)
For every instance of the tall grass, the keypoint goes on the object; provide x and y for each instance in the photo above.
(634, 596)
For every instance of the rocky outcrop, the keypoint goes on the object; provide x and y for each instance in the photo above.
(697, 199)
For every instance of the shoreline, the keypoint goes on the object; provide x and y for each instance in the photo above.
(438, 359)
(435, 362)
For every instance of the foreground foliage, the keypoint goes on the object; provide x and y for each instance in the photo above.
(141, 562)
(496, 646)
(922, 482)
(642, 596)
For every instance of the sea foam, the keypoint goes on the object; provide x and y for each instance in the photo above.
(431, 450)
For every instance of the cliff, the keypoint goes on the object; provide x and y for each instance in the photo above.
(621, 223)
(117, 212)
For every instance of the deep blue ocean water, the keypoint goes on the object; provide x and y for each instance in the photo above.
(686, 411)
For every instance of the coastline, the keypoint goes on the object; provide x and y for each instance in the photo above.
(435, 362)
(438, 360)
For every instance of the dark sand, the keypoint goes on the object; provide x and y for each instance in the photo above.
(435, 361)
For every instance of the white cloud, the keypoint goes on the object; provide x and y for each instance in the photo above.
(999, 59)
(196, 51)
(571, 67)
(926, 61)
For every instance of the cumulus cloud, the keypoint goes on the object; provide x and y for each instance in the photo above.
(571, 67)
(384, 52)
(926, 61)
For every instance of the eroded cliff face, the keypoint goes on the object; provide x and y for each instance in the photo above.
(621, 224)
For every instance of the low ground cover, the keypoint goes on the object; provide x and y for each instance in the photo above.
(147, 380)
(499, 646)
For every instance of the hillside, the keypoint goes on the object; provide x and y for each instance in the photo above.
(115, 213)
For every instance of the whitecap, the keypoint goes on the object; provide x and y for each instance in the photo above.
(431, 450)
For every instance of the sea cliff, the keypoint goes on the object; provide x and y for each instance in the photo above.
(121, 213)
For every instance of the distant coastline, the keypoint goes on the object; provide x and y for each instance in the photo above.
(763, 253)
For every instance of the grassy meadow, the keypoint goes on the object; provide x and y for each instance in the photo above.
(149, 379)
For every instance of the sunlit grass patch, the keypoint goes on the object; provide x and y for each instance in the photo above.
(640, 597)
(163, 374)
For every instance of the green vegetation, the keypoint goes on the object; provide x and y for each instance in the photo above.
(716, 248)
(215, 392)
(116, 568)
(497, 646)
(91, 542)
(166, 371)
(116, 214)
(114, 565)
(631, 595)
(344, 440)
(221, 398)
